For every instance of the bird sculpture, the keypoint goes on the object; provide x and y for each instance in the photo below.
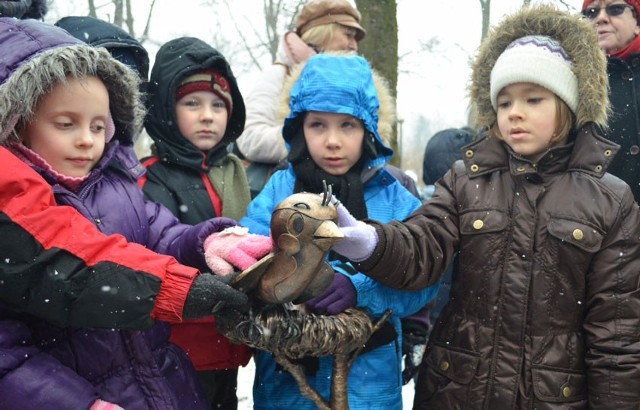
(303, 228)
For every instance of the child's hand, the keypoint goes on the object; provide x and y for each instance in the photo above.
(338, 297)
(359, 240)
(234, 247)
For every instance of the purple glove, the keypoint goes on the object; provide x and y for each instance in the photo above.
(359, 240)
(338, 297)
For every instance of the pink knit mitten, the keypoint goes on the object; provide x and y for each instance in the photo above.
(104, 405)
(234, 247)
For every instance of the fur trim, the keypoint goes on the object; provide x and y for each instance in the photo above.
(35, 77)
(386, 113)
(578, 39)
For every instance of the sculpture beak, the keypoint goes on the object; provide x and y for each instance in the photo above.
(326, 235)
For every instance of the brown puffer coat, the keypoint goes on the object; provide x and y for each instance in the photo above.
(544, 311)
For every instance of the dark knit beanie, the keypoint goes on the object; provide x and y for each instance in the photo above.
(207, 81)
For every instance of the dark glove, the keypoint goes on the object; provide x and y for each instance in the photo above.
(210, 292)
(338, 297)
(414, 342)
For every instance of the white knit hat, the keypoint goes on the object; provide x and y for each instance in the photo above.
(539, 60)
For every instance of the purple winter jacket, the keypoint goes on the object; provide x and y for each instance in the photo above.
(69, 368)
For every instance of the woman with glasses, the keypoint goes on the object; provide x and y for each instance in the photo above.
(616, 23)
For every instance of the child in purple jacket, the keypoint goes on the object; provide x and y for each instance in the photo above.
(60, 103)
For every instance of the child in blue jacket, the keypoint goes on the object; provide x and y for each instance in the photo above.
(333, 135)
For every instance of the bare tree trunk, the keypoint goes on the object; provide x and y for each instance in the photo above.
(145, 33)
(92, 9)
(129, 20)
(118, 15)
(485, 5)
(380, 46)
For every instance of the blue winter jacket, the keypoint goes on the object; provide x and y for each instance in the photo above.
(344, 84)
(375, 381)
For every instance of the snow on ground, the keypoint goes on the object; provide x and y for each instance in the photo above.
(245, 383)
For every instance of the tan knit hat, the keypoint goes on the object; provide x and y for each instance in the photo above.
(319, 12)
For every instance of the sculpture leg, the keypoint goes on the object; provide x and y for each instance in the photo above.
(305, 388)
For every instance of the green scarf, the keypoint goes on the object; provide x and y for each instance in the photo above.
(229, 179)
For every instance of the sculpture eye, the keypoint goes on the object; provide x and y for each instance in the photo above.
(302, 205)
(296, 224)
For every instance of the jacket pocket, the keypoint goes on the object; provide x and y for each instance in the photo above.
(445, 377)
(455, 365)
(576, 233)
(482, 222)
(558, 385)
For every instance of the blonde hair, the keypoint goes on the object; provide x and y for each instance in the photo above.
(319, 36)
(565, 121)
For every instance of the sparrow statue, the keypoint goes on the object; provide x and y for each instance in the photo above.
(304, 228)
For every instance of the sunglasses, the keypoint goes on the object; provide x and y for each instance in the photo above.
(612, 10)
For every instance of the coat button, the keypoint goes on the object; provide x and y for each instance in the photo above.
(478, 224)
(444, 366)
(474, 168)
(607, 153)
(566, 391)
(578, 235)
(634, 150)
(468, 153)
(598, 168)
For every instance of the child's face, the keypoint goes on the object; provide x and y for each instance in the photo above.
(68, 126)
(202, 118)
(334, 140)
(527, 118)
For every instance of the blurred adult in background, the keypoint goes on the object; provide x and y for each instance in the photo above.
(322, 25)
(616, 23)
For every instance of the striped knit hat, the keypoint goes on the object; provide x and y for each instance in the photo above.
(539, 60)
(209, 80)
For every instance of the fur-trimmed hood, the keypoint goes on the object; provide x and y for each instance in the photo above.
(579, 40)
(380, 107)
(37, 56)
